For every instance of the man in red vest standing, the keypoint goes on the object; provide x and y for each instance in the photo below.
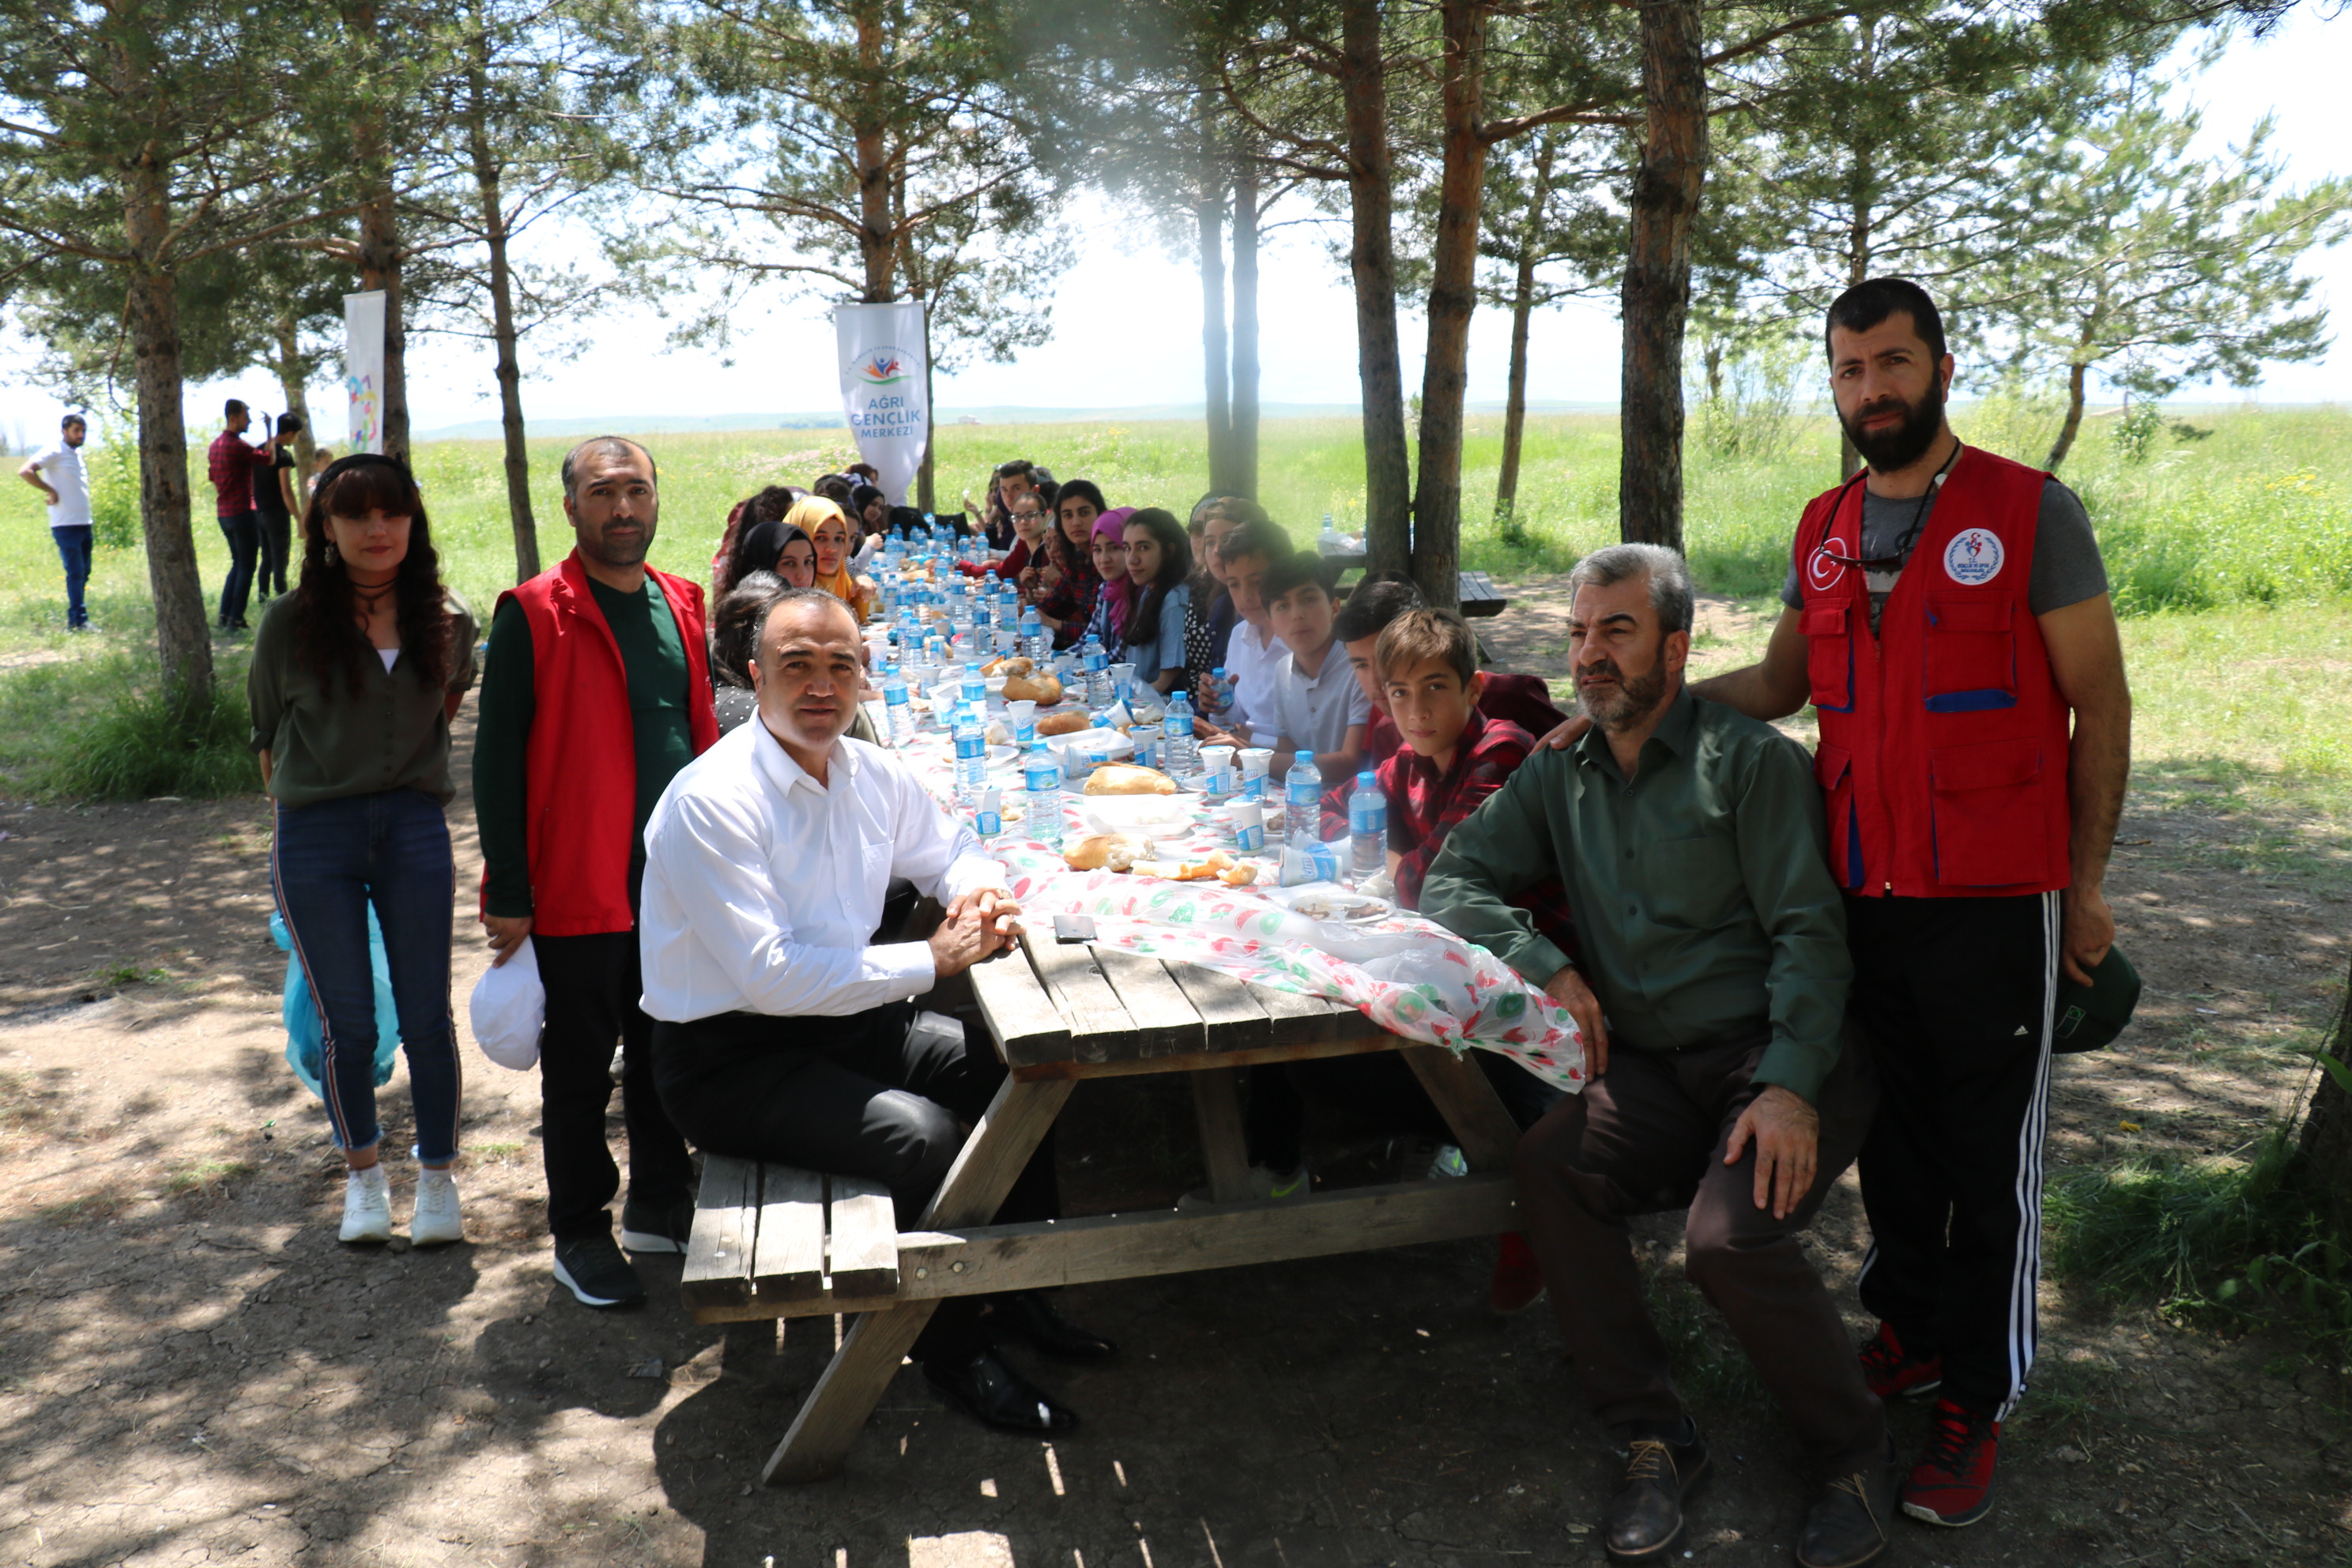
(595, 692)
(1948, 618)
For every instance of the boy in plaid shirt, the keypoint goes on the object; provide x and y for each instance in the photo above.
(1453, 756)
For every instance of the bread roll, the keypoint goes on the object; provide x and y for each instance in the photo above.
(1108, 852)
(1032, 688)
(1119, 778)
(1069, 723)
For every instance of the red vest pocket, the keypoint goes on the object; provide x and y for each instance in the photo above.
(1990, 830)
(1970, 660)
(1828, 655)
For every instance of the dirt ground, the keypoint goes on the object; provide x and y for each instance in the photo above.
(193, 1370)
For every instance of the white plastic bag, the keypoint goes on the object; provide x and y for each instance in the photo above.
(508, 1006)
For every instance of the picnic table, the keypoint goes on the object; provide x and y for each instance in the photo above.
(1474, 592)
(770, 1241)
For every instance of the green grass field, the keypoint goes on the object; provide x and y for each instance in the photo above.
(2230, 551)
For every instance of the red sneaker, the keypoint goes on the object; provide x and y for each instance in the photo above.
(1952, 1483)
(1517, 1283)
(1893, 1372)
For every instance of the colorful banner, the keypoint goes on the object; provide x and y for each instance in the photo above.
(364, 369)
(885, 389)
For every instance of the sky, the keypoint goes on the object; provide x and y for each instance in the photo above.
(1127, 319)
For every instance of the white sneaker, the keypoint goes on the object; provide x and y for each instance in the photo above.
(367, 1206)
(437, 1222)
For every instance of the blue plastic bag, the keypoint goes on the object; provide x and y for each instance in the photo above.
(304, 1048)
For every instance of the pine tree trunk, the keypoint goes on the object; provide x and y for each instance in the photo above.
(1452, 296)
(877, 242)
(926, 472)
(2077, 374)
(1523, 298)
(2327, 1142)
(1244, 330)
(1656, 295)
(1208, 213)
(488, 188)
(292, 374)
(1857, 271)
(1371, 262)
(184, 643)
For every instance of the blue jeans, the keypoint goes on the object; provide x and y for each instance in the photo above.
(243, 532)
(74, 547)
(330, 861)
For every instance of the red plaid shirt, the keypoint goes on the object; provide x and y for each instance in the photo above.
(1423, 807)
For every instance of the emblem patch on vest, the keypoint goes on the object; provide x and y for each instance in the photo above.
(1973, 556)
(1823, 567)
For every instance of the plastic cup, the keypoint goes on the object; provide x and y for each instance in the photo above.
(1148, 751)
(1258, 764)
(1249, 826)
(1122, 681)
(1023, 715)
(1217, 770)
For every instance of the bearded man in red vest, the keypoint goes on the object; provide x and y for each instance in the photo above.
(1948, 618)
(597, 691)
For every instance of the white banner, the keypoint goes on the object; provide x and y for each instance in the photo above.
(364, 369)
(885, 391)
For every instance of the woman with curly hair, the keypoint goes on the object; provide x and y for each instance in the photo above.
(354, 679)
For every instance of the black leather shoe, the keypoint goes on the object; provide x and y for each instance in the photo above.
(998, 1395)
(1847, 1525)
(1029, 1315)
(1645, 1520)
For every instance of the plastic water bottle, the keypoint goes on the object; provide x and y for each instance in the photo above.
(1368, 826)
(1034, 646)
(1221, 693)
(975, 686)
(1097, 664)
(970, 752)
(1327, 541)
(1183, 752)
(896, 701)
(1041, 778)
(1302, 801)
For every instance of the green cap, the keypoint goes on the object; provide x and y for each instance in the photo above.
(2089, 1016)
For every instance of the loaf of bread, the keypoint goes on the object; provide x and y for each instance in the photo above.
(1108, 852)
(1120, 778)
(1069, 724)
(1040, 687)
(1007, 668)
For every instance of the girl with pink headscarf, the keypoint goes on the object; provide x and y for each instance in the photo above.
(1116, 600)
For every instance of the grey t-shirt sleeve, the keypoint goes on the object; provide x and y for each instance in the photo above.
(2067, 569)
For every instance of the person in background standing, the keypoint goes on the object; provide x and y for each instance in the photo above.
(320, 462)
(230, 464)
(57, 472)
(598, 692)
(274, 508)
(354, 679)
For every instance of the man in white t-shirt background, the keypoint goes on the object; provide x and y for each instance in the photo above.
(55, 471)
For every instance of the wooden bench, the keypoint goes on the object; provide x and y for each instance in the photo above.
(773, 1241)
(1475, 591)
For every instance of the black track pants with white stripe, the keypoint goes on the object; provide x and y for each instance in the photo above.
(1954, 995)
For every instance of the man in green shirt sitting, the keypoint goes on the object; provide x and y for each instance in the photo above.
(1712, 997)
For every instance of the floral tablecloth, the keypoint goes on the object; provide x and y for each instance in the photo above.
(1407, 975)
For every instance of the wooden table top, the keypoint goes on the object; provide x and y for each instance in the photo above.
(1084, 1010)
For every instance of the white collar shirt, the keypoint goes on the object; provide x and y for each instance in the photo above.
(1314, 715)
(763, 887)
(1250, 658)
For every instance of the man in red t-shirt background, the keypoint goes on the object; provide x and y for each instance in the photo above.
(231, 465)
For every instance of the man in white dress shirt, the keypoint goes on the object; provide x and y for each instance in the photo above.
(782, 1030)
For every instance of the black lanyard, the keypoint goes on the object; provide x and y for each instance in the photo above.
(1893, 563)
